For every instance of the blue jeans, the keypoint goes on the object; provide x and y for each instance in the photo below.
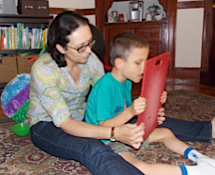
(187, 131)
(97, 157)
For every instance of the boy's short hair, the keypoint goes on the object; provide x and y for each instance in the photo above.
(122, 44)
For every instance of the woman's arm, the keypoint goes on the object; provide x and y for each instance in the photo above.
(83, 129)
(130, 134)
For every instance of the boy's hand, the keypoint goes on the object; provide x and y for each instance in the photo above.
(161, 117)
(138, 106)
(164, 97)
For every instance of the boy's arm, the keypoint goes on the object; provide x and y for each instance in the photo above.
(136, 108)
(118, 120)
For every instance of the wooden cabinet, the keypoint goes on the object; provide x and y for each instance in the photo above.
(207, 71)
(160, 34)
(153, 32)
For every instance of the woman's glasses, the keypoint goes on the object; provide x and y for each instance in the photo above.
(84, 47)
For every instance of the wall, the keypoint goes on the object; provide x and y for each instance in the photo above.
(189, 27)
(78, 4)
(74, 4)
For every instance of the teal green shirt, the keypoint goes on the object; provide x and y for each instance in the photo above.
(107, 99)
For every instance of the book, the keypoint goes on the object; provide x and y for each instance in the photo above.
(27, 37)
(2, 39)
(5, 38)
(23, 38)
(8, 34)
(20, 28)
(43, 38)
(36, 38)
(12, 32)
(16, 38)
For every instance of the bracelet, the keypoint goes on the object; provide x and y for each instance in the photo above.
(112, 138)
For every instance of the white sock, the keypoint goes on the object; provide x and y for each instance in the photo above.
(192, 154)
(203, 168)
(197, 157)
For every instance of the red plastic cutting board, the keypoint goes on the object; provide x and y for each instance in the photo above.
(153, 85)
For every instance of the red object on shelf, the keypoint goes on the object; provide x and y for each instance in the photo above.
(121, 18)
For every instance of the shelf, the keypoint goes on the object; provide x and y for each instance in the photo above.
(19, 51)
(13, 60)
(136, 23)
(11, 18)
(121, 0)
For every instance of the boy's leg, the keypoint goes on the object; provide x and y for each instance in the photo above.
(97, 157)
(197, 157)
(166, 137)
(151, 169)
(190, 131)
(164, 169)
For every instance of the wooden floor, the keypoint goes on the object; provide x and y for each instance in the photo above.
(202, 89)
(207, 90)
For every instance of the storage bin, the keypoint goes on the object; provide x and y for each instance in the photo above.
(27, 7)
(33, 7)
(8, 68)
(42, 8)
(23, 64)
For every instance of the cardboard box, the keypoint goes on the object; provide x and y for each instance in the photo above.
(23, 64)
(8, 68)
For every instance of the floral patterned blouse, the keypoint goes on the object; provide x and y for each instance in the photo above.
(54, 96)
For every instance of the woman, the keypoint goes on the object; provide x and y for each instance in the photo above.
(60, 81)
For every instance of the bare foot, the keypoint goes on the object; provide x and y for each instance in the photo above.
(213, 128)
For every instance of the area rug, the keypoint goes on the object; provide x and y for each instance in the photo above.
(18, 156)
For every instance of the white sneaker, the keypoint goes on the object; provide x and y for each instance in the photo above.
(203, 168)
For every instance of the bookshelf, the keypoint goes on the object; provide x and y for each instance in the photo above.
(10, 18)
(27, 21)
(10, 60)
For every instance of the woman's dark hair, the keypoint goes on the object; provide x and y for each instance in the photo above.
(122, 45)
(62, 26)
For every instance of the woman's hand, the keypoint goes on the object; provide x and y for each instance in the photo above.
(164, 97)
(161, 117)
(138, 106)
(130, 134)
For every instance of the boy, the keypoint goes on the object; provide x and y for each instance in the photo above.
(110, 104)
